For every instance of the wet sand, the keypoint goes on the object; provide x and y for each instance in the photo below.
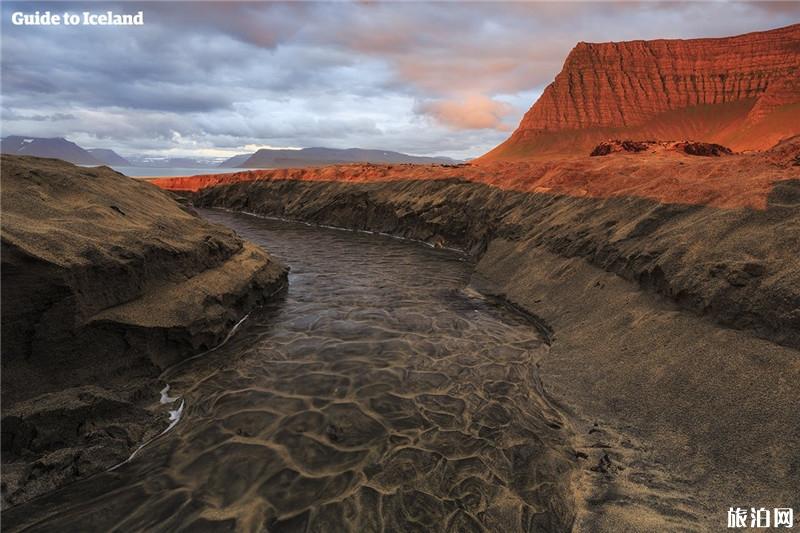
(381, 394)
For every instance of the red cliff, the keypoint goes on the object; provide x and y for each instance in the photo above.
(743, 92)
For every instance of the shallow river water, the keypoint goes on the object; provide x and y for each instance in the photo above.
(378, 393)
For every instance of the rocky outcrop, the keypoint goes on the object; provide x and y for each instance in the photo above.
(701, 149)
(106, 281)
(742, 92)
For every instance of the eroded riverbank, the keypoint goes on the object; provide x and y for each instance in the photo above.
(674, 326)
(381, 393)
(106, 281)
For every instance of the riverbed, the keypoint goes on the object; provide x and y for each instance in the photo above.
(380, 393)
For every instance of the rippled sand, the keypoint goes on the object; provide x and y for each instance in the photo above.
(379, 395)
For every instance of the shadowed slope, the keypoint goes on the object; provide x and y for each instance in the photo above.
(106, 281)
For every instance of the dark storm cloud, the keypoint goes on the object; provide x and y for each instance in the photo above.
(415, 77)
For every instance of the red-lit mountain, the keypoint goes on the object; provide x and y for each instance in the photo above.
(742, 92)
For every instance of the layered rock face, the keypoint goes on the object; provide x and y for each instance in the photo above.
(742, 92)
(106, 281)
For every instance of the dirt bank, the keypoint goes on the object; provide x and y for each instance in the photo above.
(675, 327)
(106, 281)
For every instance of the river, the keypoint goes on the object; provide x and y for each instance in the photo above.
(379, 393)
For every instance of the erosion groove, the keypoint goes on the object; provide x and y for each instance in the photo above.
(719, 263)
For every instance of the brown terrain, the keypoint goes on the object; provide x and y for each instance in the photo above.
(106, 281)
(661, 266)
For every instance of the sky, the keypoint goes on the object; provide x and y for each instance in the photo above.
(214, 79)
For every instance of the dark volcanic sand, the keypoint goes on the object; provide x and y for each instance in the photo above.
(675, 328)
(381, 394)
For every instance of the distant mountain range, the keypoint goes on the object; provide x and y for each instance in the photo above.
(172, 162)
(60, 148)
(109, 157)
(316, 157)
(235, 161)
(55, 147)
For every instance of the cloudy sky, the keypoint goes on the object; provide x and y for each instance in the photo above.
(216, 79)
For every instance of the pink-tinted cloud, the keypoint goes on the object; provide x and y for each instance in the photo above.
(472, 112)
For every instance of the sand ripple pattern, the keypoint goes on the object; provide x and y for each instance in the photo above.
(379, 395)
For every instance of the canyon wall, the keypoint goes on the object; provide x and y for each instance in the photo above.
(724, 264)
(662, 317)
(743, 92)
